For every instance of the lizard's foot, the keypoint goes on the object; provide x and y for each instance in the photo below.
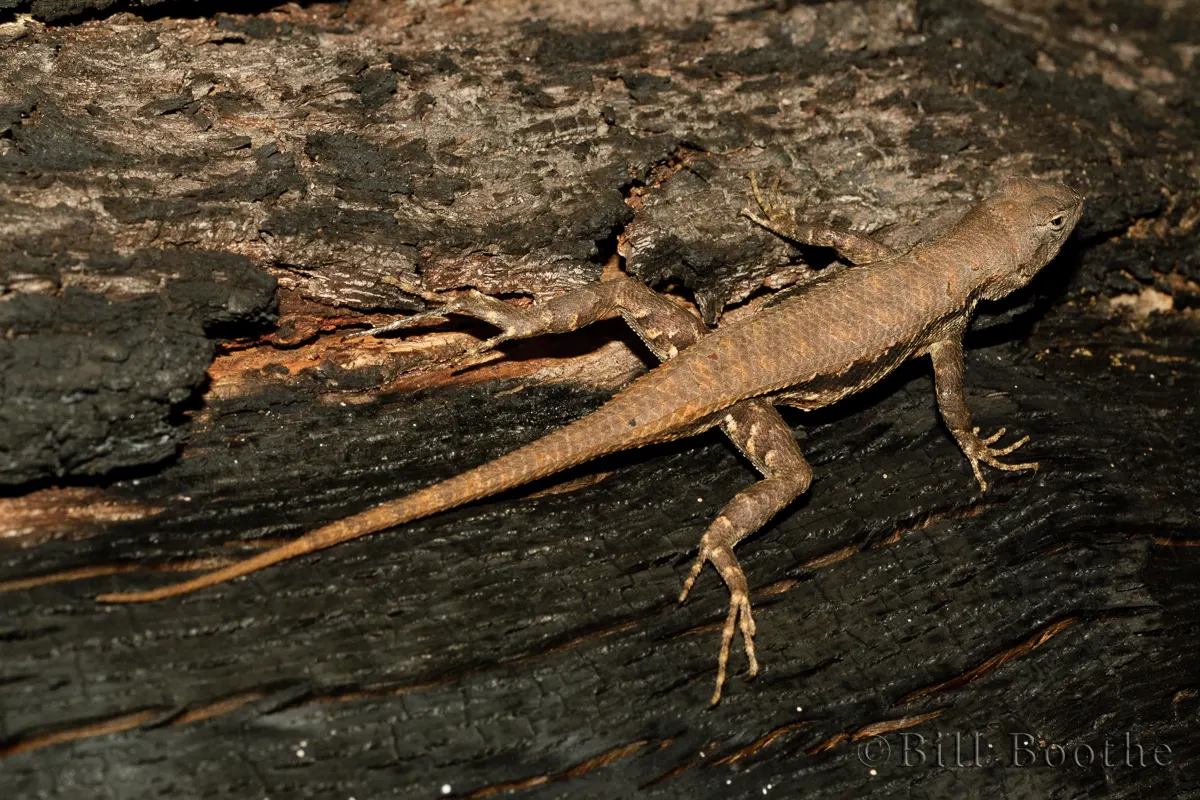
(739, 615)
(980, 450)
(513, 322)
(432, 298)
(780, 215)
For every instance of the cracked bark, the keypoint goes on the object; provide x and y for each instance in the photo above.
(195, 207)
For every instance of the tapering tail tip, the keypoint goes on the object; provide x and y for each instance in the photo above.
(361, 524)
(301, 546)
(153, 594)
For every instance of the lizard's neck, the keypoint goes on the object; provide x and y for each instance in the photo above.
(972, 255)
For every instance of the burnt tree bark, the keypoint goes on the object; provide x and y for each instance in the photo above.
(196, 206)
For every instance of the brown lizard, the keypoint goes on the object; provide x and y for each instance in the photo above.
(832, 339)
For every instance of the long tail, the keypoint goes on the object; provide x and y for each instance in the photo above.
(604, 431)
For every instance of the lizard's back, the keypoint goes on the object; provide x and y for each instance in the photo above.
(832, 339)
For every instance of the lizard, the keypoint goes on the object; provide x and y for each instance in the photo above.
(835, 337)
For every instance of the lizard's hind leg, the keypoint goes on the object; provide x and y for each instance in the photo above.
(665, 327)
(762, 435)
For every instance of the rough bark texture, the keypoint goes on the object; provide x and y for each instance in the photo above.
(196, 205)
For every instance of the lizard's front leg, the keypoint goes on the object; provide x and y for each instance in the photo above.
(779, 217)
(665, 327)
(762, 435)
(947, 358)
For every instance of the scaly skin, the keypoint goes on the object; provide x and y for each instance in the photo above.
(836, 338)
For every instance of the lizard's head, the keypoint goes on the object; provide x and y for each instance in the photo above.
(1038, 216)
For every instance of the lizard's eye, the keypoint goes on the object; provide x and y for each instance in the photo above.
(1057, 222)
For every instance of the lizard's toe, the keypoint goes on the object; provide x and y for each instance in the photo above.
(403, 322)
(738, 618)
(980, 451)
(690, 581)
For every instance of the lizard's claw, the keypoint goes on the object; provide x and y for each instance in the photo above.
(739, 616)
(980, 451)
